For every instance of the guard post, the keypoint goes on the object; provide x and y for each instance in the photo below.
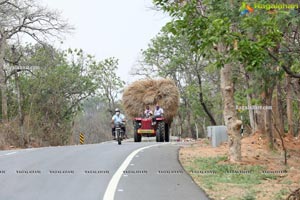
(81, 138)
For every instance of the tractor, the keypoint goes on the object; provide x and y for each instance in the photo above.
(148, 127)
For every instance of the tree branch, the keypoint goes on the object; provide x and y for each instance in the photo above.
(284, 67)
(3, 2)
(36, 21)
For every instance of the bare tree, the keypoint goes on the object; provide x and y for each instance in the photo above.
(25, 17)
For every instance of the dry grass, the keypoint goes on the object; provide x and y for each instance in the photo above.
(8, 135)
(149, 92)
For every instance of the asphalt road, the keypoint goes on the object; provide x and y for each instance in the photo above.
(107, 171)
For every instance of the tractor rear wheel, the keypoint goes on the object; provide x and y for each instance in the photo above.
(137, 137)
(167, 133)
(160, 132)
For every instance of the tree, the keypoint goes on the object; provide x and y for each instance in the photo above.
(203, 33)
(108, 83)
(54, 93)
(15, 62)
(25, 17)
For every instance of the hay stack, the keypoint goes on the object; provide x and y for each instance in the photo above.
(149, 92)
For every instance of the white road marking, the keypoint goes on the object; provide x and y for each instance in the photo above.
(107, 142)
(120, 190)
(11, 153)
(131, 164)
(30, 149)
(112, 186)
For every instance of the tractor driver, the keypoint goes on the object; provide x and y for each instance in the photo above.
(148, 113)
(118, 117)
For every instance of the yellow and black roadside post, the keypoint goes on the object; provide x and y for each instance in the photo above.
(81, 138)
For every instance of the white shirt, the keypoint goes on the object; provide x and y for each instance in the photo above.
(158, 112)
(117, 118)
(148, 113)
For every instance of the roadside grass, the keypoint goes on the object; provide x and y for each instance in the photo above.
(280, 195)
(213, 172)
(287, 182)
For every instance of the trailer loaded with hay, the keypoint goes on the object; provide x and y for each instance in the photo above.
(150, 92)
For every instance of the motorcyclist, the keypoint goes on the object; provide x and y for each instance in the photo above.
(118, 117)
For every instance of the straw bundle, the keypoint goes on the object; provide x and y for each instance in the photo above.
(150, 92)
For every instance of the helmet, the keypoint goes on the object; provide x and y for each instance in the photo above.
(117, 110)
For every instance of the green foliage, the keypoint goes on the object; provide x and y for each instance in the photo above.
(221, 23)
(53, 95)
(54, 89)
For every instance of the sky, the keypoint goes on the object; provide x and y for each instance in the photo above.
(111, 28)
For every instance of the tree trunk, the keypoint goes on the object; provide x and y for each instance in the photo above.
(188, 118)
(20, 111)
(268, 117)
(259, 120)
(210, 116)
(289, 105)
(3, 86)
(280, 109)
(189, 128)
(259, 115)
(251, 114)
(296, 86)
(277, 110)
(204, 128)
(229, 113)
(249, 99)
(180, 128)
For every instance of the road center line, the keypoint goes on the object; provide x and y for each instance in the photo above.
(112, 186)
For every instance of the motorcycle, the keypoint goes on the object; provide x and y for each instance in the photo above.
(120, 132)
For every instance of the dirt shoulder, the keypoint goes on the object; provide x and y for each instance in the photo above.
(260, 175)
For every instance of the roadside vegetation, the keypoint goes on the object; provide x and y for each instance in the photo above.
(44, 89)
(261, 174)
